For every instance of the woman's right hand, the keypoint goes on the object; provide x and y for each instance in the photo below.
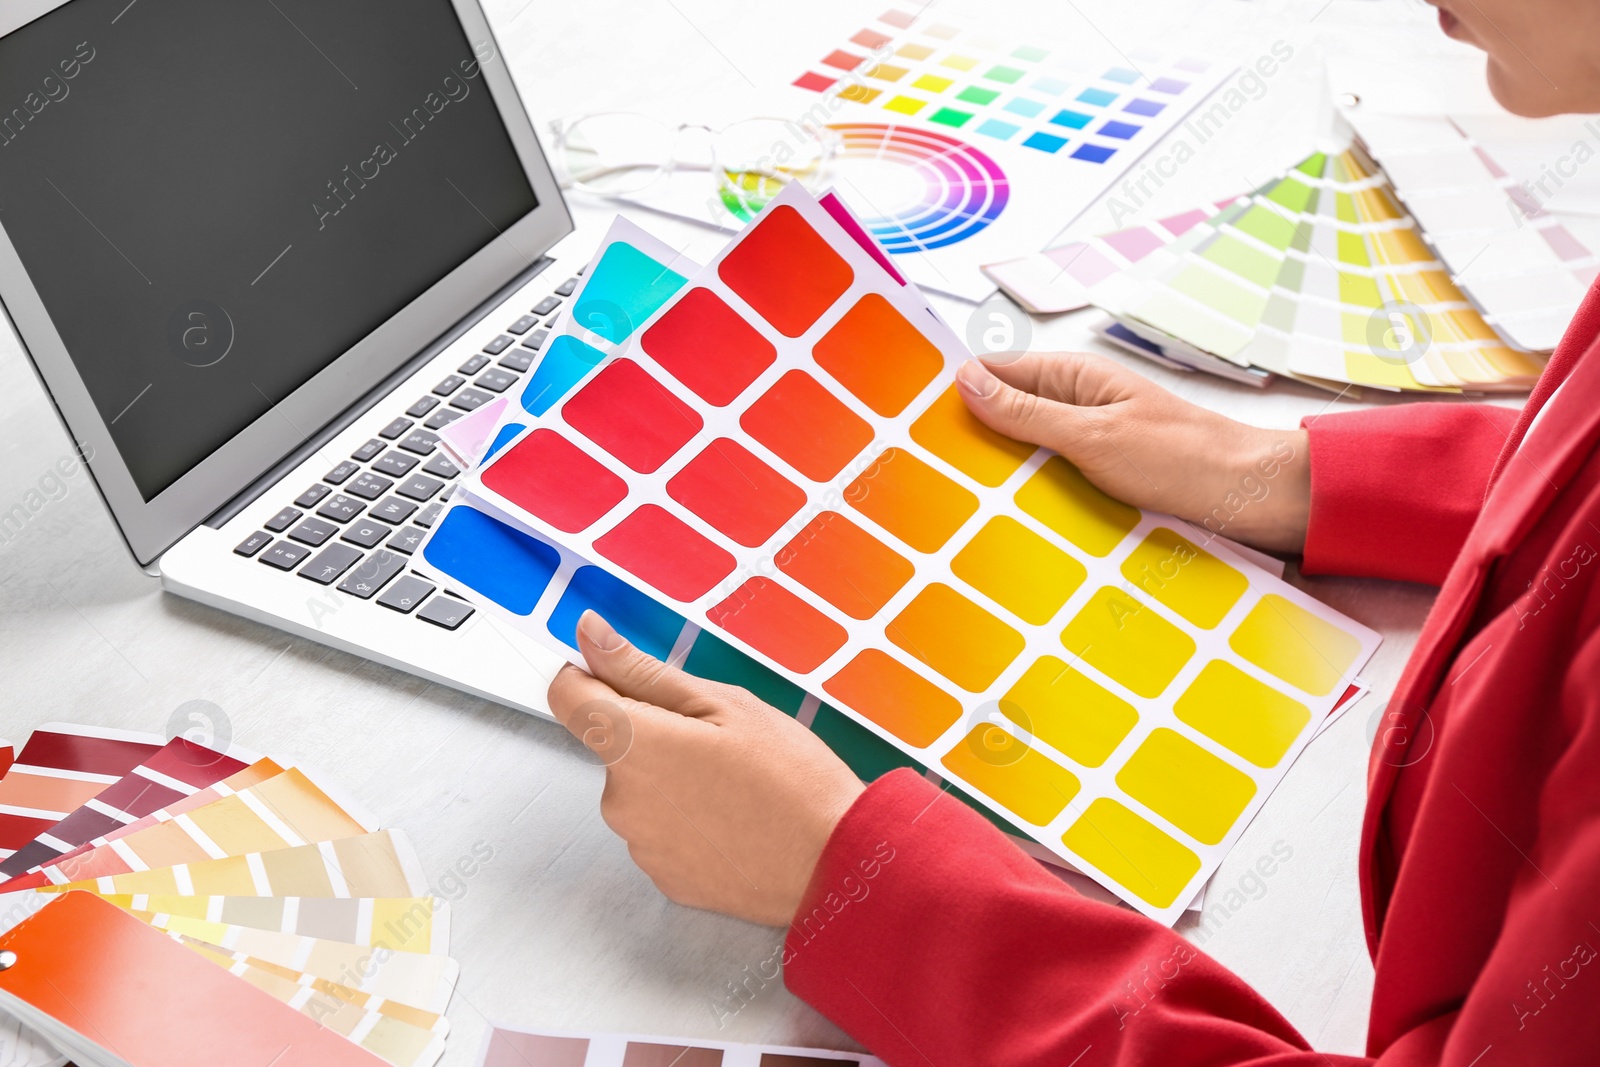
(1141, 444)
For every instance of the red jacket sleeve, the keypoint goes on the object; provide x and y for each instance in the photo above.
(932, 939)
(1395, 490)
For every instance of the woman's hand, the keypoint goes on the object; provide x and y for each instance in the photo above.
(726, 803)
(1146, 447)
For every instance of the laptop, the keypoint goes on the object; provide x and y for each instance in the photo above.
(259, 254)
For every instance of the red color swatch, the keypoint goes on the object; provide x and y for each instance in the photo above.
(703, 343)
(897, 18)
(817, 83)
(879, 356)
(845, 565)
(632, 416)
(731, 489)
(895, 697)
(871, 39)
(662, 550)
(786, 271)
(548, 476)
(842, 59)
(770, 618)
(811, 430)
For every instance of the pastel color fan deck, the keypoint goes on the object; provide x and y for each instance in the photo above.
(507, 1046)
(285, 886)
(898, 559)
(1319, 275)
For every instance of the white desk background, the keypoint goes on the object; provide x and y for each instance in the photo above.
(559, 929)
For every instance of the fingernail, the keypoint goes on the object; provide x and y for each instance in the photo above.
(599, 632)
(975, 378)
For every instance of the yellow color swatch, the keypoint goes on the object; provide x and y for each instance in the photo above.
(959, 62)
(1019, 570)
(1128, 642)
(861, 94)
(1186, 785)
(1291, 643)
(933, 83)
(905, 105)
(914, 51)
(887, 72)
(1400, 247)
(911, 500)
(1069, 711)
(1184, 577)
(955, 637)
(1032, 785)
(1241, 713)
(954, 434)
(1132, 852)
(1059, 496)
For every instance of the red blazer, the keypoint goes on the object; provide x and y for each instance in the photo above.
(1481, 847)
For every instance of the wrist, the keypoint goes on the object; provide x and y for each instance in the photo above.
(1267, 498)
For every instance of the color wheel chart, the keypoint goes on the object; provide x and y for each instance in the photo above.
(916, 189)
(1003, 139)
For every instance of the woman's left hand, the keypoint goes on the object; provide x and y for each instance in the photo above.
(725, 802)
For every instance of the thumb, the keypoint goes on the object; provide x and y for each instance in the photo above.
(1017, 413)
(631, 672)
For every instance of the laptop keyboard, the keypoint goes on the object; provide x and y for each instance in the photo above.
(357, 528)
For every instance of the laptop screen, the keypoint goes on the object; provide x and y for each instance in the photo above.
(215, 200)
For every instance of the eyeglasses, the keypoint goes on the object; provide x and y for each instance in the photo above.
(619, 154)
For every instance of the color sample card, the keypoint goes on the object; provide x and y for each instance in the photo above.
(61, 768)
(826, 503)
(1063, 278)
(1523, 269)
(381, 864)
(398, 1041)
(411, 924)
(281, 812)
(179, 769)
(507, 1046)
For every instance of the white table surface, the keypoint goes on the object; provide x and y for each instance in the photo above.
(559, 929)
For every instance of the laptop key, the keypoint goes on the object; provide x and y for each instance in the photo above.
(496, 381)
(449, 385)
(420, 487)
(283, 520)
(419, 442)
(313, 532)
(430, 515)
(566, 287)
(547, 305)
(517, 361)
(330, 563)
(312, 497)
(373, 574)
(396, 463)
(365, 532)
(536, 340)
(407, 540)
(340, 508)
(367, 451)
(393, 510)
(284, 555)
(442, 418)
(522, 325)
(255, 543)
(441, 467)
(499, 345)
(443, 611)
(403, 596)
(471, 399)
(391, 431)
(342, 472)
(473, 365)
(422, 406)
(369, 486)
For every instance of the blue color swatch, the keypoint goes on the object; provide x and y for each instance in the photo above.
(650, 625)
(997, 129)
(624, 289)
(1170, 86)
(1053, 86)
(1045, 142)
(1122, 74)
(501, 439)
(1147, 108)
(566, 361)
(1093, 153)
(1097, 97)
(1072, 120)
(1120, 130)
(492, 559)
(1023, 106)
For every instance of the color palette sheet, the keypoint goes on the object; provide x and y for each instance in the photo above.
(1322, 276)
(1520, 266)
(61, 767)
(816, 492)
(393, 1036)
(507, 1046)
(495, 560)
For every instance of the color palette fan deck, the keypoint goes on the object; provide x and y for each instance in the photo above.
(777, 454)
